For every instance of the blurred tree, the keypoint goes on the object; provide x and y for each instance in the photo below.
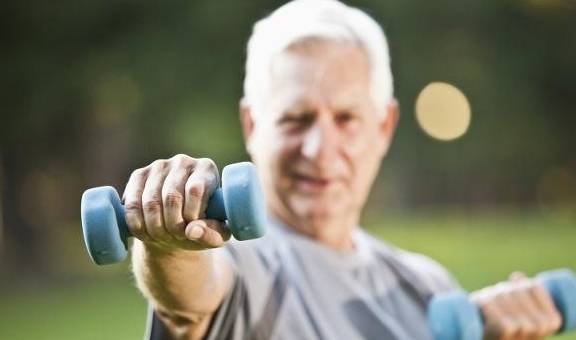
(93, 89)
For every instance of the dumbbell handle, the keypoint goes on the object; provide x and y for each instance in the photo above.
(452, 316)
(98, 205)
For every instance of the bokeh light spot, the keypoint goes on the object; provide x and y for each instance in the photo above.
(443, 111)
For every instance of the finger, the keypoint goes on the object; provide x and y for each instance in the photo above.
(208, 233)
(152, 202)
(132, 198)
(503, 319)
(545, 305)
(198, 189)
(173, 198)
(497, 323)
(534, 322)
(513, 303)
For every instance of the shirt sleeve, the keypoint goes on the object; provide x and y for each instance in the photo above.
(155, 328)
(436, 277)
(231, 321)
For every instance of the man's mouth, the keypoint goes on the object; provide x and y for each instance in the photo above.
(313, 183)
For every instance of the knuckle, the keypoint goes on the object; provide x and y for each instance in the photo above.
(134, 225)
(538, 290)
(173, 198)
(136, 229)
(152, 204)
(208, 164)
(181, 159)
(196, 189)
(158, 164)
(133, 206)
(213, 178)
(140, 172)
(536, 287)
(525, 287)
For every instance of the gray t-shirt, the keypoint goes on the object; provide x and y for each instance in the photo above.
(289, 287)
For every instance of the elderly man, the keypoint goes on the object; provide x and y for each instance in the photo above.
(318, 115)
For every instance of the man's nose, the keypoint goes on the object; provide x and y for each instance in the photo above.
(320, 142)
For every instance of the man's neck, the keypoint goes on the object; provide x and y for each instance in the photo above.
(335, 233)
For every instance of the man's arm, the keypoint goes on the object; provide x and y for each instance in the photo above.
(175, 267)
(184, 287)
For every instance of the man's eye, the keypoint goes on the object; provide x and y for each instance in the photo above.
(297, 120)
(344, 118)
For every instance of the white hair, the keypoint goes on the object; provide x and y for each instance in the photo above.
(328, 20)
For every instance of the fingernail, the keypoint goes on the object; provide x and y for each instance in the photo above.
(195, 232)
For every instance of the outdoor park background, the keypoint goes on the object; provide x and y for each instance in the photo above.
(94, 89)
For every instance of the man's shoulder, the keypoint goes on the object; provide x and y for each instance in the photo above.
(420, 266)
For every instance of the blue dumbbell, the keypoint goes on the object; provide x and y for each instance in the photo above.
(452, 316)
(240, 201)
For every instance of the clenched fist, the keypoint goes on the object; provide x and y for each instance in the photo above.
(518, 309)
(165, 203)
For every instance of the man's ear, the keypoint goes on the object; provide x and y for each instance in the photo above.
(247, 122)
(392, 118)
(389, 124)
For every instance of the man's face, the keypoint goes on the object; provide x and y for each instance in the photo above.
(317, 139)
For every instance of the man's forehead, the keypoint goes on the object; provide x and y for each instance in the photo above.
(299, 75)
(298, 100)
(310, 57)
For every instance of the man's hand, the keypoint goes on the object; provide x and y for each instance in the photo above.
(165, 203)
(518, 309)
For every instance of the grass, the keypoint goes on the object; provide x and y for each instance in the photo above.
(483, 249)
(478, 249)
(106, 308)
